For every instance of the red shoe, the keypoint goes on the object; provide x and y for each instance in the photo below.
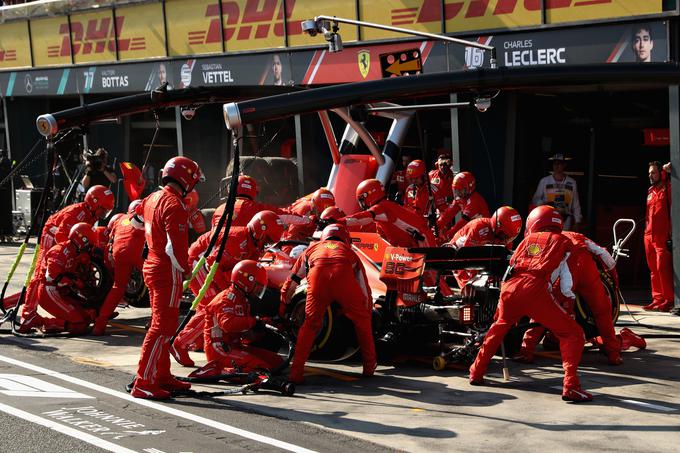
(369, 370)
(30, 321)
(654, 306)
(666, 306)
(576, 395)
(53, 325)
(146, 390)
(211, 369)
(476, 380)
(99, 327)
(630, 338)
(172, 384)
(181, 355)
(524, 356)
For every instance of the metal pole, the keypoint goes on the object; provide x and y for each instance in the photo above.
(178, 125)
(298, 151)
(590, 176)
(510, 142)
(674, 127)
(9, 150)
(455, 137)
(85, 141)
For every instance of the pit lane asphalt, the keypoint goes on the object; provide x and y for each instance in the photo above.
(406, 407)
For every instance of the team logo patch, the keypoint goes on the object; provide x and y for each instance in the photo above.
(364, 60)
(534, 249)
(330, 245)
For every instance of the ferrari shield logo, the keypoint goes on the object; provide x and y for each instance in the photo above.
(364, 60)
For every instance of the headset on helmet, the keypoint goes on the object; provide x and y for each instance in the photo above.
(82, 235)
(134, 207)
(182, 171)
(336, 231)
(415, 170)
(100, 200)
(463, 185)
(246, 187)
(321, 199)
(506, 223)
(266, 227)
(250, 278)
(543, 218)
(369, 192)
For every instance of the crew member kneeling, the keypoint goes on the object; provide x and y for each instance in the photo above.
(334, 274)
(229, 322)
(536, 264)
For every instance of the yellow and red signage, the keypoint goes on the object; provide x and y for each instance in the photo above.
(14, 48)
(194, 27)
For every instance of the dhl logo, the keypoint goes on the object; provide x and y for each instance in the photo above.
(95, 36)
(430, 10)
(256, 21)
(8, 55)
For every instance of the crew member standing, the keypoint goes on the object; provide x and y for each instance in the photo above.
(560, 191)
(657, 237)
(442, 176)
(536, 264)
(334, 274)
(165, 223)
(470, 203)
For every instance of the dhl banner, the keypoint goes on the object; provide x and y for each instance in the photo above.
(193, 27)
(93, 37)
(140, 32)
(304, 10)
(14, 48)
(420, 15)
(51, 45)
(576, 10)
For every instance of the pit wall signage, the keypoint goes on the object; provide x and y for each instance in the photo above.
(633, 42)
(194, 27)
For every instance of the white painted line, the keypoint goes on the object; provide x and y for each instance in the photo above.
(67, 430)
(650, 405)
(19, 385)
(159, 407)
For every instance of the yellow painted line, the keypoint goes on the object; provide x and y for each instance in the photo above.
(89, 361)
(417, 409)
(340, 376)
(127, 328)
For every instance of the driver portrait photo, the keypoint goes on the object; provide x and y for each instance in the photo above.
(642, 44)
(275, 72)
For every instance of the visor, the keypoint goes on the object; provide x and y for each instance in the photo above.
(258, 291)
(458, 194)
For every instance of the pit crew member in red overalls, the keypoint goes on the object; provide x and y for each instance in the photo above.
(125, 249)
(196, 220)
(99, 201)
(165, 224)
(311, 208)
(420, 195)
(243, 243)
(398, 183)
(657, 235)
(334, 274)
(57, 273)
(467, 201)
(399, 226)
(502, 228)
(540, 259)
(229, 322)
(588, 285)
(442, 177)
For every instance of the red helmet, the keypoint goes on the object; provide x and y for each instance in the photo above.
(266, 227)
(463, 185)
(250, 278)
(247, 187)
(332, 213)
(506, 223)
(322, 199)
(82, 235)
(369, 192)
(415, 170)
(134, 206)
(191, 200)
(336, 231)
(543, 218)
(183, 171)
(113, 219)
(100, 200)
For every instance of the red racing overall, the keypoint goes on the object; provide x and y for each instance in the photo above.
(657, 232)
(165, 222)
(475, 233)
(399, 226)
(334, 274)
(538, 261)
(228, 322)
(470, 208)
(126, 247)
